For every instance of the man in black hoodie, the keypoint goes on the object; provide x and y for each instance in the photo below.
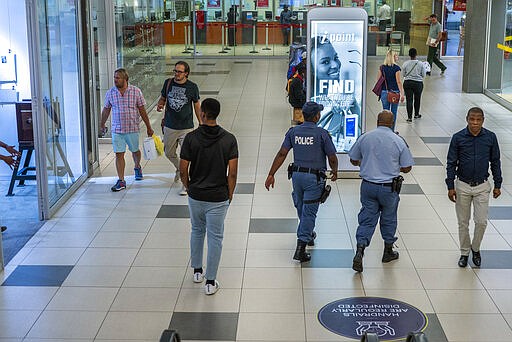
(208, 170)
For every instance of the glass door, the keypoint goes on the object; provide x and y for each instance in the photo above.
(57, 99)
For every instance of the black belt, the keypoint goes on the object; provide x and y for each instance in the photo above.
(308, 170)
(474, 183)
(382, 184)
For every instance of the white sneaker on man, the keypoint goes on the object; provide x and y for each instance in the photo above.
(177, 178)
(183, 191)
(210, 289)
(198, 277)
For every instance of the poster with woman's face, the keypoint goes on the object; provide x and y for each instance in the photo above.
(336, 58)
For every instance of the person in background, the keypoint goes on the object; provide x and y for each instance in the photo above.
(296, 93)
(127, 104)
(471, 151)
(434, 37)
(384, 17)
(208, 170)
(311, 145)
(180, 96)
(391, 72)
(12, 158)
(414, 73)
(286, 20)
(381, 155)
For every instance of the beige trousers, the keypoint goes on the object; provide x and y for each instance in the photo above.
(173, 137)
(479, 197)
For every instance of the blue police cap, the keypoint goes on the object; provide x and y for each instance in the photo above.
(310, 109)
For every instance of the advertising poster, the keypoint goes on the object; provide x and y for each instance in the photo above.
(459, 5)
(262, 3)
(213, 3)
(336, 55)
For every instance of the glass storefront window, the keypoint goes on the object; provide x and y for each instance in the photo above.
(499, 64)
(139, 28)
(61, 111)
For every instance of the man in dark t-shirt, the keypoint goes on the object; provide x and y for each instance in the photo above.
(208, 170)
(178, 95)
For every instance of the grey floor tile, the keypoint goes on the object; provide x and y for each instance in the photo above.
(173, 211)
(436, 140)
(209, 92)
(411, 189)
(427, 161)
(244, 188)
(495, 259)
(434, 330)
(270, 225)
(500, 213)
(206, 326)
(37, 275)
(330, 258)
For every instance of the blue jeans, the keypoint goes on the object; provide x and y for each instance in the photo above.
(393, 107)
(306, 187)
(207, 217)
(378, 201)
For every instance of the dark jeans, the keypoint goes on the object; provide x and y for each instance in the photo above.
(413, 91)
(433, 57)
(286, 35)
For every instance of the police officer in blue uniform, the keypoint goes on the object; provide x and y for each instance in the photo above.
(311, 145)
(381, 155)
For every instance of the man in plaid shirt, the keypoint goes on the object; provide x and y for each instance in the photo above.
(126, 103)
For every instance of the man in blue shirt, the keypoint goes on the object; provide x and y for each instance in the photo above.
(311, 145)
(381, 155)
(471, 151)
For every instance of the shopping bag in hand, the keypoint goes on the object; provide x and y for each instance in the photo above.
(149, 149)
(159, 145)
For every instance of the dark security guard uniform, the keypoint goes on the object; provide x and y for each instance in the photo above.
(311, 145)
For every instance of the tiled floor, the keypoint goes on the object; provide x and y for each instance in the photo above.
(115, 266)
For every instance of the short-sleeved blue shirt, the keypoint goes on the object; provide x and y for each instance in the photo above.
(390, 75)
(382, 153)
(311, 144)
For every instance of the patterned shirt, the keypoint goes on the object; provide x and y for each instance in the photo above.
(125, 109)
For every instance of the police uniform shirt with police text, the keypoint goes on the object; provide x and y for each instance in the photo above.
(311, 144)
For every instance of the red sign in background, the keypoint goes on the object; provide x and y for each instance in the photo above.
(200, 20)
(262, 3)
(359, 3)
(459, 5)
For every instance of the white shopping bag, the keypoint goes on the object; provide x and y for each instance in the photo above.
(149, 149)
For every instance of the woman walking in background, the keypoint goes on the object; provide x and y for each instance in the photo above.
(393, 83)
(414, 73)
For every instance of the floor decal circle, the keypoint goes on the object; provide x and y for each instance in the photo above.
(388, 318)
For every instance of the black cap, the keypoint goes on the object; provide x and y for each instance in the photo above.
(310, 109)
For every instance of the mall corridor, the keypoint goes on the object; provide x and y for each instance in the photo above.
(115, 266)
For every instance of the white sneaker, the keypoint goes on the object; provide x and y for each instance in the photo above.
(177, 178)
(210, 289)
(198, 277)
(183, 191)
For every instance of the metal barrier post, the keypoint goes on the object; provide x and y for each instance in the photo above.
(227, 35)
(189, 38)
(186, 39)
(253, 39)
(153, 40)
(223, 41)
(291, 34)
(266, 38)
(143, 38)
